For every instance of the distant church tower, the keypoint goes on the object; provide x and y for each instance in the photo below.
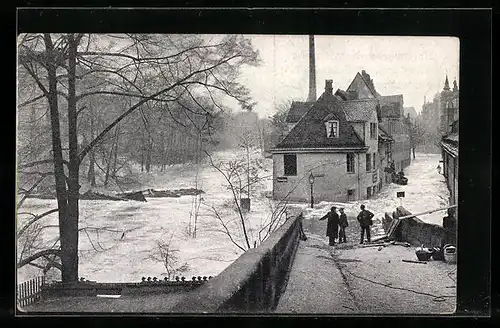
(448, 106)
(312, 70)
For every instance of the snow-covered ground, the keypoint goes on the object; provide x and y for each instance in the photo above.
(426, 190)
(128, 259)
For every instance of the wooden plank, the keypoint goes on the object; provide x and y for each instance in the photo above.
(379, 238)
(418, 262)
(392, 228)
(426, 212)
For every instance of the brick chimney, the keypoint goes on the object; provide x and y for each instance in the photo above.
(329, 87)
(312, 70)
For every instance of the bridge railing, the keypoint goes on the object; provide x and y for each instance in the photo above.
(252, 283)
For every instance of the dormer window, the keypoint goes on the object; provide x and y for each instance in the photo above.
(332, 129)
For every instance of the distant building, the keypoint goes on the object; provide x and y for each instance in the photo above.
(390, 115)
(449, 152)
(449, 104)
(346, 141)
(385, 142)
(336, 142)
(430, 115)
(393, 121)
(410, 112)
(449, 143)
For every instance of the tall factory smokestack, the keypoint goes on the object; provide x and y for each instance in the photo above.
(312, 70)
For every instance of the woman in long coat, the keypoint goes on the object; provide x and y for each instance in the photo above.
(332, 228)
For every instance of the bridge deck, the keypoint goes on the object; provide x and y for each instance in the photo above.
(315, 284)
(349, 279)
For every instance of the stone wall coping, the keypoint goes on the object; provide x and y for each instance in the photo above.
(216, 292)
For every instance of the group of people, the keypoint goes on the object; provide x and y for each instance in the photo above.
(338, 223)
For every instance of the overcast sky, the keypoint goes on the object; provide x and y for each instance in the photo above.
(412, 66)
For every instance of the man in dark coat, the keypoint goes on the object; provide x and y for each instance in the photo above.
(332, 228)
(450, 226)
(342, 225)
(365, 221)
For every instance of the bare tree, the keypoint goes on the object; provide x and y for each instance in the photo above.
(167, 255)
(239, 176)
(145, 68)
(278, 122)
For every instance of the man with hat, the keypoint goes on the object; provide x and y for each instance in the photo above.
(332, 228)
(365, 221)
(342, 225)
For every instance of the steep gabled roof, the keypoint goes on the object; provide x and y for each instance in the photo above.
(359, 76)
(297, 110)
(370, 86)
(310, 131)
(360, 110)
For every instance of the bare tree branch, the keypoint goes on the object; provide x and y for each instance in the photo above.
(40, 162)
(226, 230)
(35, 219)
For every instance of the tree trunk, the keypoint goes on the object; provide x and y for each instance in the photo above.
(115, 154)
(109, 162)
(60, 178)
(149, 149)
(248, 171)
(73, 167)
(91, 172)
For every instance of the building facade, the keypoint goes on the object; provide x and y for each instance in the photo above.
(335, 146)
(385, 142)
(397, 126)
(449, 153)
(390, 114)
(449, 143)
(449, 104)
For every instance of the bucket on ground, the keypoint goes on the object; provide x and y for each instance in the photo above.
(450, 254)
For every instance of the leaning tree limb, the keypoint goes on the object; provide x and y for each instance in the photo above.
(37, 255)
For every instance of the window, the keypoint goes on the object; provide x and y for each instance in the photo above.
(392, 128)
(368, 162)
(368, 192)
(350, 163)
(373, 130)
(351, 194)
(290, 164)
(332, 129)
(374, 161)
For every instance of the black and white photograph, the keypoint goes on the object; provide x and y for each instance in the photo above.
(166, 173)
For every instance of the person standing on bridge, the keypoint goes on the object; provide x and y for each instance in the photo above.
(332, 228)
(365, 221)
(342, 225)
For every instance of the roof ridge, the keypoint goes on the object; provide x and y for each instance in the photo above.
(364, 99)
